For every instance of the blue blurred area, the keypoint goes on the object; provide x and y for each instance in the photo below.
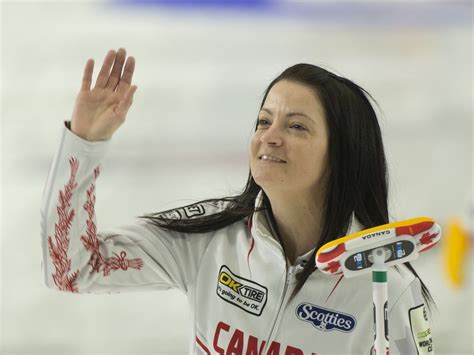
(244, 4)
(427, 13)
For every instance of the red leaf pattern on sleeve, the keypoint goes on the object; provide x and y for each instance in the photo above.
(97, 261)
(63, 279)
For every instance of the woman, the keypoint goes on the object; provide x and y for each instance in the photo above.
(246, 262)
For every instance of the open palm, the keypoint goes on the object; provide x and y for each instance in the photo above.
(99, 112)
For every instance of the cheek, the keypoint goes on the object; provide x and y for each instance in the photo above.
(321, 165)
(252, 152)
(253, 148)
(316, 162)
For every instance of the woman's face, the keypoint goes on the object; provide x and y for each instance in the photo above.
(289, 149)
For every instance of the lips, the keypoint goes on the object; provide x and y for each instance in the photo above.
(271, 158)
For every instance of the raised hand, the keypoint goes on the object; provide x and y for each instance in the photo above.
(99, 112)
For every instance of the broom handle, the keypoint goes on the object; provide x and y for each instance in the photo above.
(380, 297)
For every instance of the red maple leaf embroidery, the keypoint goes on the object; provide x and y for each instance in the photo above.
(427, 238)
(332, 267)
(97, 261)
(58, 249)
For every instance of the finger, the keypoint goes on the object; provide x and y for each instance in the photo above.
(126, 102)
(87, 75)
(117, 69)
(126, 79)
(103, 76)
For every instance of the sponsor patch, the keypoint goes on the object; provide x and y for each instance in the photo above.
(245, 294)
(173, 214)
(421, 330)
(194, 210)
(325, 319)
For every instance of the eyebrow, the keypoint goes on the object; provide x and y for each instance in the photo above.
(289, 114)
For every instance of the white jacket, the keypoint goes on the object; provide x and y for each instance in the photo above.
(237, 279)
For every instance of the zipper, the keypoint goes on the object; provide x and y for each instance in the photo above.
(288, 278)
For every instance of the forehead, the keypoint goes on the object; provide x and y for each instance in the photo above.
(291, 96)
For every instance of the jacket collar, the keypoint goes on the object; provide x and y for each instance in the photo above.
(262, 229)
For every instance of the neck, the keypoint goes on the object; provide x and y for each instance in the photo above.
(299, 222)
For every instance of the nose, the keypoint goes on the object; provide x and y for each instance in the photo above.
(272, 136)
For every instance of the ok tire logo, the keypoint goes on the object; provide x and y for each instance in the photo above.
(243, 293)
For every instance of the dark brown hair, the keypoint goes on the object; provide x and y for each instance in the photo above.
(358, 170)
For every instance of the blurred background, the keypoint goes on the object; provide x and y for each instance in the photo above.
(201, 69)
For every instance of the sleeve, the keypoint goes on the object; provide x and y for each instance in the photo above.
(409, 327)
(80, 259)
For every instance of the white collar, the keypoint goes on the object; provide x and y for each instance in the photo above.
(261, 228)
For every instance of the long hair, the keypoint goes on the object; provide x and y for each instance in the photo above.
(358, 175)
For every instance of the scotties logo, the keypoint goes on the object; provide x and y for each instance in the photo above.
(325, 319)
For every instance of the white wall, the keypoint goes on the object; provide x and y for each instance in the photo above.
(200, 79)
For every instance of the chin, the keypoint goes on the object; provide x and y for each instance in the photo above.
(267, 177)
(266, 181)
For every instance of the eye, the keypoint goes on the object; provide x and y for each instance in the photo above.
(263, 121)
(298, 127)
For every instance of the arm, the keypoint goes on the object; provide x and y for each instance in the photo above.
(78, 258)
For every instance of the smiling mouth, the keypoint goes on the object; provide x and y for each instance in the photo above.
(271, 158)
